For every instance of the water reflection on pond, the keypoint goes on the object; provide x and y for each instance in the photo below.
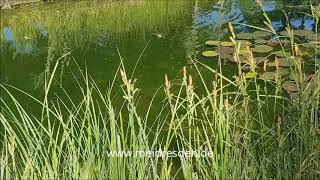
(96, 33)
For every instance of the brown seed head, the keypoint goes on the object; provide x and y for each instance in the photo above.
(259, 3)
(190, 80)
(232, 30)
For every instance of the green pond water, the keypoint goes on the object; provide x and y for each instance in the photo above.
(162, 35)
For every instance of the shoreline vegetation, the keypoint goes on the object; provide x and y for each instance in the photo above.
(9, 4)
(253, 131)
(90, 21)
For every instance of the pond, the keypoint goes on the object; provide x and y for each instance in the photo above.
(162, 36)
(62, 43)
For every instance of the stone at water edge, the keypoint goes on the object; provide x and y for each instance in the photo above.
(5, 4)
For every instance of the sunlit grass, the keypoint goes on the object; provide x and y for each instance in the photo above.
(90, 22)
(255, 130)
(71, 139)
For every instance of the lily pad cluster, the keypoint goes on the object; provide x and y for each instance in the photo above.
(255, 51)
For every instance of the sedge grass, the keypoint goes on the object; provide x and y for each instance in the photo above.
(76, 138)
(253, 133)
(88, 21)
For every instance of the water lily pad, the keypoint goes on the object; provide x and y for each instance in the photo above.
(309, 44)
(260, 41)
(294, 96)
(285, 42)
(209, 54)
(226, 56)
(251, 75)
(290, 86)
(261, 34)
(306, 77)
(246, 60)
(227, 44)
(284, 33)
(245, 68)
(268, 76)
(262, 59)
(232, 59)
(313, 37)
(282, 62)
(222, 50)
(245, 36)
(262, 49)
(244, 51)
(283, 71)
(273, 42)
(282, 53)
(213, 43)
(303, 33)
(225, 52)
(244, 43)
(309, 77)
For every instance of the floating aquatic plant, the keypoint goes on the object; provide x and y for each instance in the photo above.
(282, 53)
(244, 51)
(244, 43)
(290, 86)
(251, 75)
(262, 59)
(268, 76)
(261, 49)
(303, 33)
(260, 41)
(273, 42)
(282, 62)
(284, 33)
(210, 54)
(225, 52)
(213, 43)
(227, 44)
(261, 34)
(245, 36)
